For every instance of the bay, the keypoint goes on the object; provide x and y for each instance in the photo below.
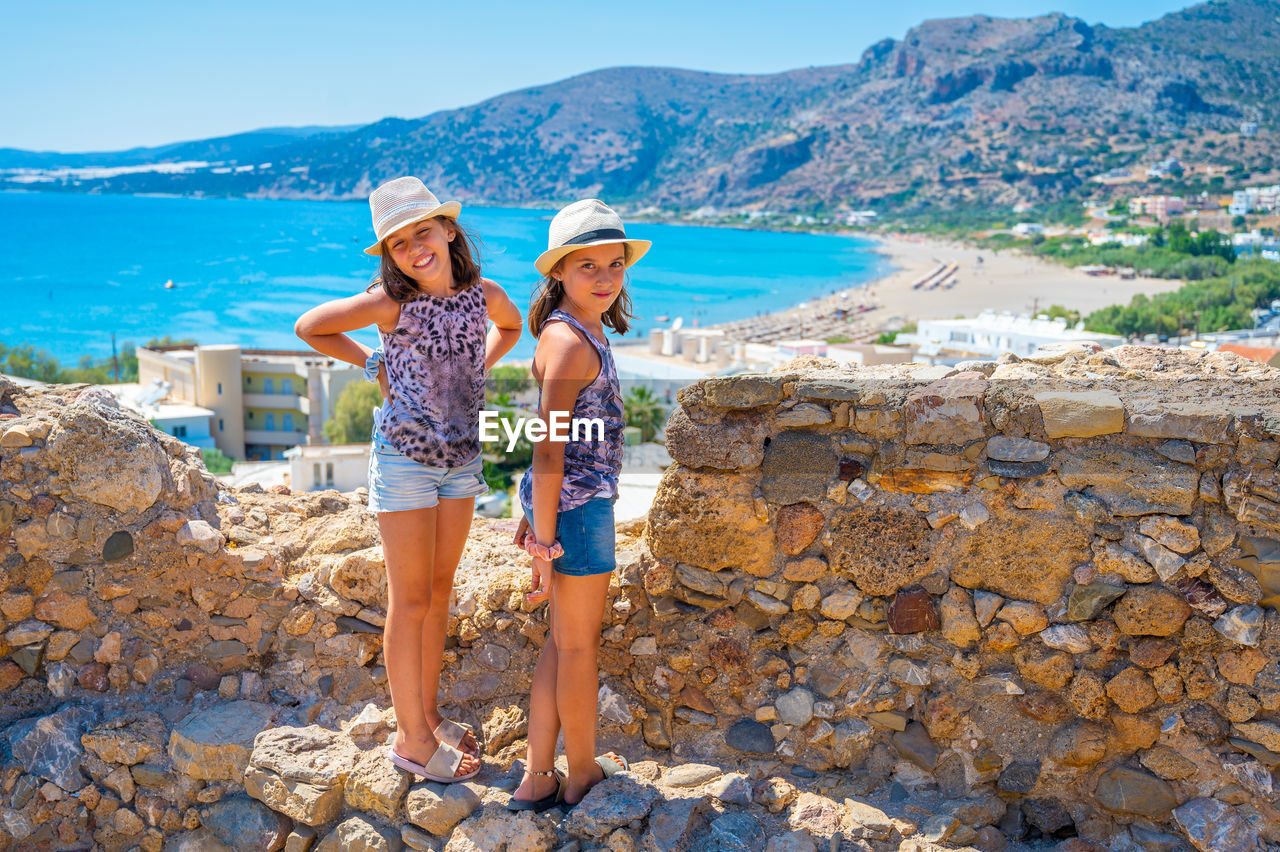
(74, 269)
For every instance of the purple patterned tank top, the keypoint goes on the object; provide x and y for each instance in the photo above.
(435, 366)
(591, 465)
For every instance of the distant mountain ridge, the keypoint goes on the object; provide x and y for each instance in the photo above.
(963, 110)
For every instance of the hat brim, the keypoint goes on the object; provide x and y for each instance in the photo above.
(548, 259)
(447, 210)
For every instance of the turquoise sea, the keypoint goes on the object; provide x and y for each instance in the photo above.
(74, 269)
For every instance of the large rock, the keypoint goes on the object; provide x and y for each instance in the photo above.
(376, 785)
(1080, 414)
(948, 411)
(1151, 611)
(242, 823)
(798, 466)
(745, 391)
(735, 442)
(798, 525)
(1204, 423)
(1131, 481)
(499, 830)
(128, 739)
(612, 804)
(49, 747)
(1129, 791)
(711, 521)
(360, 576)
(1026, 555)
(106, 456)
(215, 744)
(881, 549)
(1213, 826)
(301, 772)
(357, 834)
(310, 804)
(437, 808)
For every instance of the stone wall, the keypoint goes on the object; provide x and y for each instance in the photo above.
(1055, 579)
(1029, 603)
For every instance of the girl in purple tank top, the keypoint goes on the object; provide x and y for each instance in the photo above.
(568, 495)
(432, 310)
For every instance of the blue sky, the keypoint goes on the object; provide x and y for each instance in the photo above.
(81, 76)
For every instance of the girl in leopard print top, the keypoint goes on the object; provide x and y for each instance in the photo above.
(432, 309)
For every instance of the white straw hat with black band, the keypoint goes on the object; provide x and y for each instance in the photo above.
(401, 202)
(589, 222)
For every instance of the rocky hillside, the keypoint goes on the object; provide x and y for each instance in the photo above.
(964, 109)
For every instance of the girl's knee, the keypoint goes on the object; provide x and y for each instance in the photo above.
(413, 607)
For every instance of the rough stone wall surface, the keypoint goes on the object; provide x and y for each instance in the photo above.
(1018, 604)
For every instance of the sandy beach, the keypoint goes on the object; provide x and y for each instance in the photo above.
(1002, 281)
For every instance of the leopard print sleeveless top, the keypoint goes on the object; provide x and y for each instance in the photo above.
(593, 463)
(435, 366)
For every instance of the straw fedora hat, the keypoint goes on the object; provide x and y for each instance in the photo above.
(401, 202)
(589, 222)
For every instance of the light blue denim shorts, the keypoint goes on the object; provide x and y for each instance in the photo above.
(397, 483)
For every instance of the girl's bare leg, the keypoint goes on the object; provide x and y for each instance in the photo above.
(578, 608)
(453, 521)
(544, 726)
(408, 547)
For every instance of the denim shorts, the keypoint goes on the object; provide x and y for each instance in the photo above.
(586, 534)
(397, 483)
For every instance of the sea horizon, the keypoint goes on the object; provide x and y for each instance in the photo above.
(85, 266)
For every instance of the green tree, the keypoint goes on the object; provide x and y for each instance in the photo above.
(642, 409)
(509, 379)
(352, 421)
(215, 461)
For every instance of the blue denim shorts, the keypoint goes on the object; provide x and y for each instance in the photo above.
(586, 534)
(397, 483)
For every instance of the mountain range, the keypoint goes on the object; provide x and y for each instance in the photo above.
(960, 111)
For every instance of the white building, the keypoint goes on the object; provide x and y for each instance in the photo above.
(341, 466)
(189, 423)
(1026, 229)
(991, 334)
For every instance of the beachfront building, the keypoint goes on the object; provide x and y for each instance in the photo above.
(991, 334)
(1255, 199)
(263, 401)
(319, 467)
(1159, 207)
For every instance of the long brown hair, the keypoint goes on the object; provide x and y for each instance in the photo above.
(550, 290)
(464, 254)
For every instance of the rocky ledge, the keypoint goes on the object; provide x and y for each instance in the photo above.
(1025, 604)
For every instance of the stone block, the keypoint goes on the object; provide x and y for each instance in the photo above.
(215, 744)
(948, 411)
(1080, 414)
(1204, 423)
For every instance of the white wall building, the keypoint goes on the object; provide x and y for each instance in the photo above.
(992, 334)
(316, 468)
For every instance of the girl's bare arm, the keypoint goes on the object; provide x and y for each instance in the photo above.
(324, 327)
(506, 323)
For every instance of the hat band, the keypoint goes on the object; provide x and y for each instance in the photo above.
(401, 209)
(592, 236)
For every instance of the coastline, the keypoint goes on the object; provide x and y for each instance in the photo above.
(1002, 281)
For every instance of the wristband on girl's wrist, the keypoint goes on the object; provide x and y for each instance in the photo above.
(371, 365)
(543, 551)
